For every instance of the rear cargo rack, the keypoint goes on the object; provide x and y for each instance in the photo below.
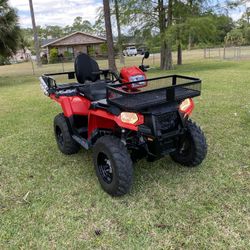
(158, 90)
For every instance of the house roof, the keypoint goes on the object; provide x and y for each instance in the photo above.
(63, 41)
(47, 41)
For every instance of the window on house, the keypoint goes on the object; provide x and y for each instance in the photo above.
(70, 50)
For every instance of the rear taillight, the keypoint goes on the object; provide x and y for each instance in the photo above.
(187, 106)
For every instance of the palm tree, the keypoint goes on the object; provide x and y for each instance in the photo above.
(38, 59)
(109, 35)
(9, 29)
(23, 44)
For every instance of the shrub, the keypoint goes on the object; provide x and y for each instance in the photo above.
(68, 55)
(234, 37)
(44, 59)
(91, 51)
(104, 48)
(53, 56)
(4, 60)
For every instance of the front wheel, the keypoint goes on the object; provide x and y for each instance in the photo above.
(193, 148)
(113, 165)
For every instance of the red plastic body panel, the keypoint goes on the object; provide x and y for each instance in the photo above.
(97, 119)
(73, 105)
(103, 119)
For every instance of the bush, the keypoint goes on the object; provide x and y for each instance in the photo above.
(234, 37)
(104, 48)
(53, 56)
(4, 60)
(154, 50)
(67, 55)
(247, 35)
(91, 51)
(44, 59)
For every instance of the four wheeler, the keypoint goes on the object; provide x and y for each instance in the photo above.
(124, 118)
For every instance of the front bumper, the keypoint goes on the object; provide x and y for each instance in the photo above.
(162, 132)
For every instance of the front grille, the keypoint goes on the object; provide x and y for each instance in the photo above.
(167, 122)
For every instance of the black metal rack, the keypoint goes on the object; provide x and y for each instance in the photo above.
(158, 90)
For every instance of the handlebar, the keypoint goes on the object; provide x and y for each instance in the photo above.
(144, 68)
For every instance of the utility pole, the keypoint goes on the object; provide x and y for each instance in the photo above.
(36, 41)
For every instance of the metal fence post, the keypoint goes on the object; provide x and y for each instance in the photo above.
(62, 64)
(32, 64)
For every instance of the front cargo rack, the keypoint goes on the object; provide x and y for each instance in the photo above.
(158, 90)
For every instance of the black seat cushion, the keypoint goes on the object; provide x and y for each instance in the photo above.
(84, 68)
(94, 91)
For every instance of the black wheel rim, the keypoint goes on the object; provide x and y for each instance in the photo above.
(59, 136)
(104, 167)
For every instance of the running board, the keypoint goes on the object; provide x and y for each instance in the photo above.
(83, 142)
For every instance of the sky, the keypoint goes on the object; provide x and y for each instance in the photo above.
(63, 12)
(56, 12)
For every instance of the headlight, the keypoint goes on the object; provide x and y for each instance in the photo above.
(128, 117)
(137, 78)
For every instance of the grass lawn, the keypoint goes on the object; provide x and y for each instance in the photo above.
(52, 201)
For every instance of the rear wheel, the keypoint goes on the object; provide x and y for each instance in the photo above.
(193, 148)
(64, 140)
(113, 165)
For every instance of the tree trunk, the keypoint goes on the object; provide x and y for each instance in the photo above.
(179, 48)
(117, 15)
(25, 55)
(166, 49)
(179, 54)
(162, 25)
(111, 52)
(190, 2)
(37, 48)
(189, 42)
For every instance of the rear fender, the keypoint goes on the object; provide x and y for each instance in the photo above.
(73, 105)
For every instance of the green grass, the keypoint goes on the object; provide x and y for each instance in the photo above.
(52, 201)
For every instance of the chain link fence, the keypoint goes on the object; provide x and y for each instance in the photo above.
(228, 53)
(64, 64)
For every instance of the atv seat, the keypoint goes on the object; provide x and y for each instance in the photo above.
(89, 74)
(86, 69)
(94, 91)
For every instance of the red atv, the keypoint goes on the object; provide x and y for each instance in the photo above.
(124, 118)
